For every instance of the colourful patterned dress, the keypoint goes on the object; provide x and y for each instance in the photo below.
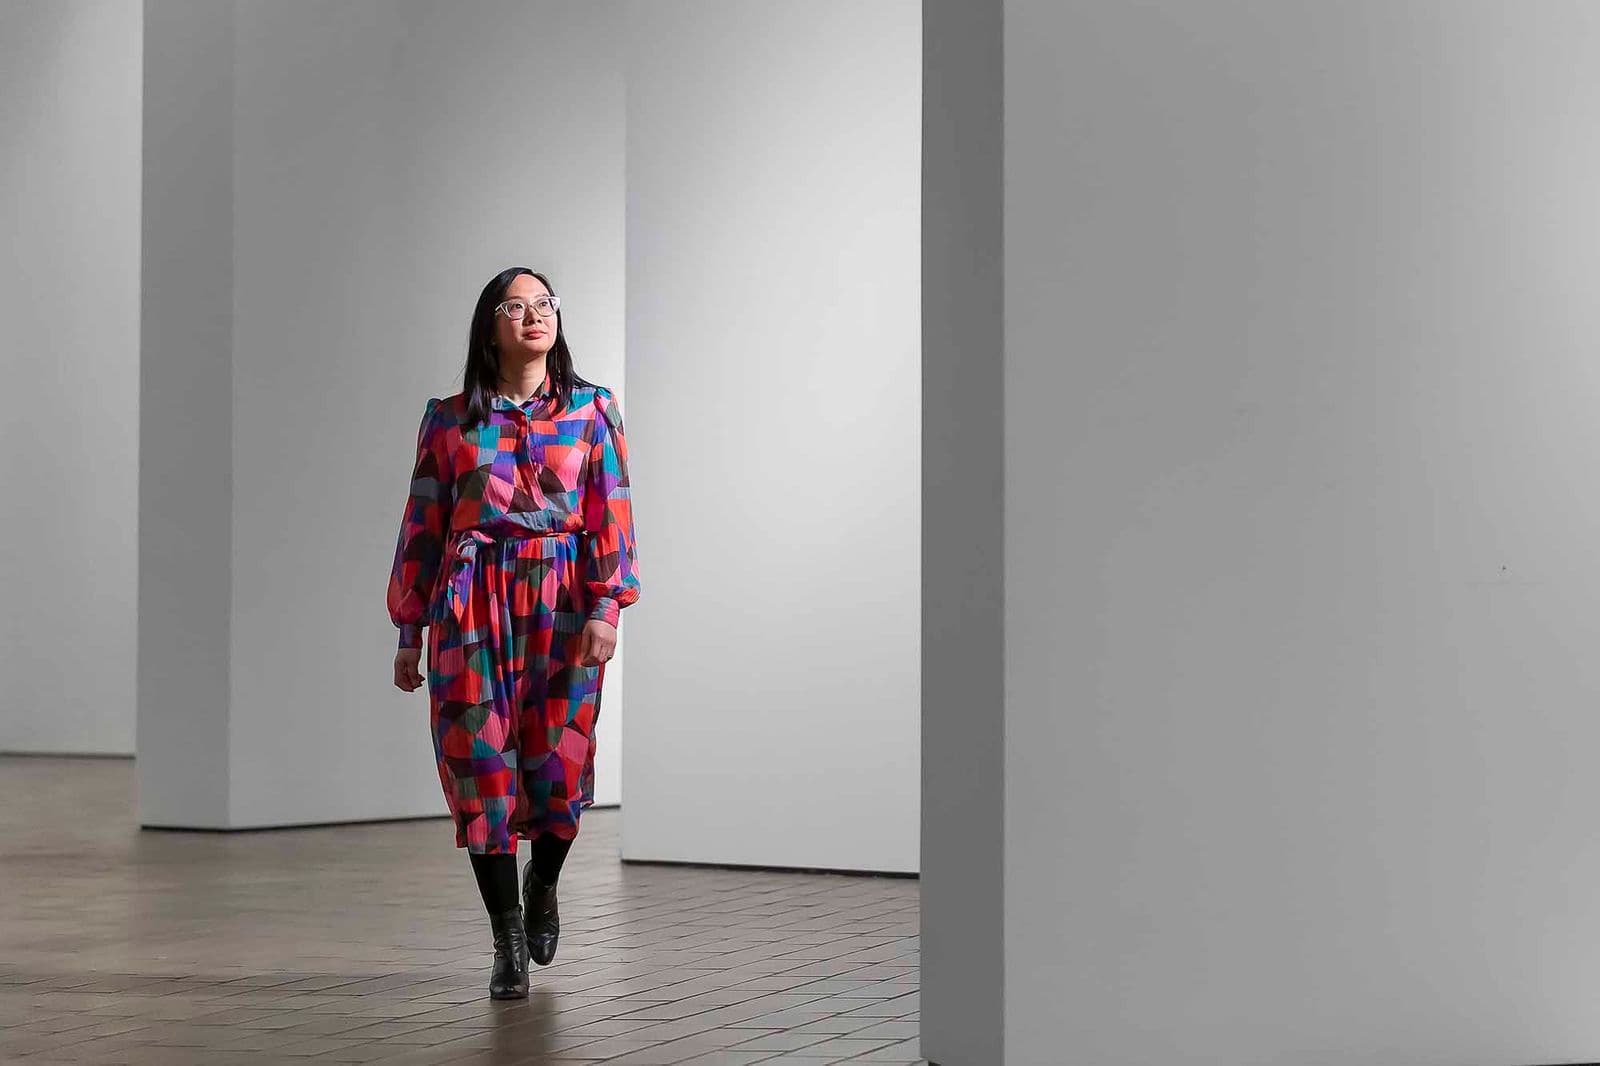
(515, 533)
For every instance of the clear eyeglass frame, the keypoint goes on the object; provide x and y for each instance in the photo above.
(543, 306)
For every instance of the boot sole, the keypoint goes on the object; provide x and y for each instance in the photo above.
(509, 995)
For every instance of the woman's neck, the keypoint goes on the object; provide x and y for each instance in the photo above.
(520, 382)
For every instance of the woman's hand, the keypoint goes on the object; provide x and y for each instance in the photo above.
(596, 643)
(406, 675)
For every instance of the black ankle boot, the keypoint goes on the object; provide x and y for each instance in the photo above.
(509, 978)
(539, 910)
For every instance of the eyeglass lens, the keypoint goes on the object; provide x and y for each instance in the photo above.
(516, 308)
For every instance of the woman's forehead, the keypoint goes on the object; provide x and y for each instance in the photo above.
(526, 285)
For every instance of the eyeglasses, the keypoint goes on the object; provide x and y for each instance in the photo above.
(545, 306)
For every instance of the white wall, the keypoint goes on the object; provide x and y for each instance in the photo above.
(1301, 391)
(385, 163)
(773, 359)
(69, 179)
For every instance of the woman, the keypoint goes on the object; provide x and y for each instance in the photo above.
(516, 553)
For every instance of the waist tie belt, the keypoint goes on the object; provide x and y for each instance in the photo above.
(464, 560)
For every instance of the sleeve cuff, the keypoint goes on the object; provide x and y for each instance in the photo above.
(410, 636)
(605, 609)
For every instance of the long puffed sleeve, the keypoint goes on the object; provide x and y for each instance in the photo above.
(420, 549)
(610, 570)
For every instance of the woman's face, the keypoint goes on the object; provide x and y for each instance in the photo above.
(532, 335)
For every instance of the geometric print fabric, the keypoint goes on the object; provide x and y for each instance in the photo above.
(515, 533)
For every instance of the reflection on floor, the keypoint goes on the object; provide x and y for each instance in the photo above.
(367, 943)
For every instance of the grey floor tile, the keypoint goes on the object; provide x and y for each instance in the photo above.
(367, 943)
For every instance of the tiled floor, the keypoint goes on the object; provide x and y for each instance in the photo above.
(369, 944)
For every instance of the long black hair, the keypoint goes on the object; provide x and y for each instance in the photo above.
(480, 379)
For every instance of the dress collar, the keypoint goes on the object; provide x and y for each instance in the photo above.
(545, 391)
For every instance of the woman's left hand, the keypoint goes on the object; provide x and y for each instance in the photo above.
(597, 642)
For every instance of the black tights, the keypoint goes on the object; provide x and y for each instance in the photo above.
(497, 874)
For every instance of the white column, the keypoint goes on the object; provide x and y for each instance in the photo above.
(772, 364)
(186, 416)
(963, 575)
(1300, 589)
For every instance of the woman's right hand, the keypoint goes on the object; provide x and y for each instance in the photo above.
(406, 674)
